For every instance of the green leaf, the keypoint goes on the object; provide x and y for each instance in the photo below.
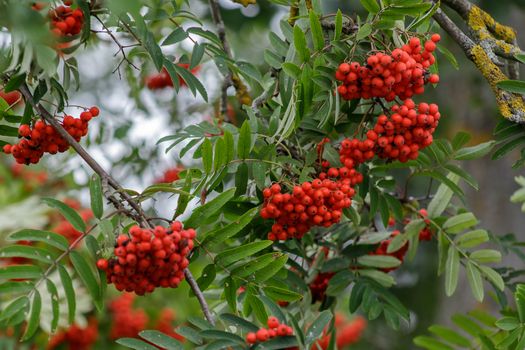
(443, 179)
(51, 238)
(220, 235)
(207, 155)
(196, 55)
(190, 334)
(449, 55)
(257, 307)
(515, 86)
(484, 256)
(22, 287)
(161, 340)
(475, 281)
(379, 261)
(95, 192)
(467, 324)
(460, 222)
(68, 213)
(55, 310)
(316, 329)
(442, 198)
(271, 270)
(380, 277)
(289, 68)
(316, 31)
(472, 239)
(244, 145)
(278, 343)
(15, 82)
(338, 25)
(230, 293)
(87, 276)
(397, 243)
(449, 335)
(463, 174)
(430, 343)
(254, 265)
(34, 316)
(193, 83)
(174, 37)
(460, 140)
(233, 255)
(281, 294)
(364, 31)
(24, 251)
(207, 277)
(475, 152)
(67, 284)
(508, 323)
(371, 6)
(241, 179)
(203, 212)
(494, 277)
(20, 271)
(239, 322)
(451, 271)
(136, 344)
(300, 43)
(14, 307)
(221, 335)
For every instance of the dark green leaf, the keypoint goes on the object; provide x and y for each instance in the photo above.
(69, 214)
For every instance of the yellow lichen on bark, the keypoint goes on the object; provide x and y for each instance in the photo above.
(510, 105)
(241, 91)
(486, 27)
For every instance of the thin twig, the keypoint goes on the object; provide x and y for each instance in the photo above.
(198, 293)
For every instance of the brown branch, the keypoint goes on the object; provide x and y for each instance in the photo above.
(198, 293)
(139, 214)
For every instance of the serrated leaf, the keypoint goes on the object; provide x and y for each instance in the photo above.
(271, 270)
(316, 30)
(460, 222)
(221, 335)
(338, 25)
(371, 6)
(380, 277)
(467, 324)
(451, 271)
(20, 272)
(507, 323)
(316, 329)
(442, 198)
(494, 277)
(281, 294)
(207, 155)
(289, 68)
(67, 284)
(174, 37)
(34, 316)
(475, 281)
(51, 238)
(257, 307)
(222, 234)
(244, 145)
(161, 340)
(364, 31)
(449, 335)
(14, 307)
(484, 256)
(95, 192)
(430, 343)
(239, 322)
(515, 86)
(87, 277)
(233, 255)
(475, 152)
(472, 239)
(205, 211)
(24, 251)
(68, 213)
(379, 261)
(136, 344)
(300, 44)
(55, 309)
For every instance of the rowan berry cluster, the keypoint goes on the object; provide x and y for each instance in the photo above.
(66, 21)
(347, 332)
(396, 137)
(76, 337)
(163, 79)
(319, 285)
(127, 321)
(42, 138)
(425, 234)
(316, 203)
(402, 73)
(151, 258)
(275, 329)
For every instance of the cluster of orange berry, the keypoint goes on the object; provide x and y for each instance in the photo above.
(402, 73)
(41, 137)
(66, 21)
(275, 329)
(163, 79)
(76, 337)
(151, 258)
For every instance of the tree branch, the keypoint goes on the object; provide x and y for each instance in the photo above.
(138, 216)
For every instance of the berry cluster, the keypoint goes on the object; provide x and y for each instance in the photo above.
(402, 73)
(43, 138)
(66, 21)
(316, 203)
(127, 321)
(12, 98)
(347, 332)
(151, 258)
(76, 337)
(275, 329)
(170, 175)
(319, 285)
(425, 234)
(162, 80)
